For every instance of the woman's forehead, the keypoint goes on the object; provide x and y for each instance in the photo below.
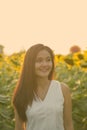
(43, 53)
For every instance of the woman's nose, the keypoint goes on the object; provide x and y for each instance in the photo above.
(44, 63)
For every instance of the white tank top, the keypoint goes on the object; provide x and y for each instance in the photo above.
(47, 114)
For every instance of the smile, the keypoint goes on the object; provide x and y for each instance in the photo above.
(44, 70)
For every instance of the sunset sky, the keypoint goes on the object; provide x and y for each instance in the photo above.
(59, 24)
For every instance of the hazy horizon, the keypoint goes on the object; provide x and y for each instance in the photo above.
(57, 49)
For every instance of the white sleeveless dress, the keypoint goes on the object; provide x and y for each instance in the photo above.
(47, 114)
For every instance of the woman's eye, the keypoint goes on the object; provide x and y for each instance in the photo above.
(49, 59)
(41, 60)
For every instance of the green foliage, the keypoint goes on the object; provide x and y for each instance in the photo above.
(76, 79)
(8, 79)
(70, 69)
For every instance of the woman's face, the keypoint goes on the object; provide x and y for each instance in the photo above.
(43, 64)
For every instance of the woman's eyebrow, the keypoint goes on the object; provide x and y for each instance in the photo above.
(43, 57)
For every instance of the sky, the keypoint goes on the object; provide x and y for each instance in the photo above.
(58, 24)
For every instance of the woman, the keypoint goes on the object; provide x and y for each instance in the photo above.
(41, 103)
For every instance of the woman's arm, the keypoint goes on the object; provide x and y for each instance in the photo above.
(68, 123)
(19, 124)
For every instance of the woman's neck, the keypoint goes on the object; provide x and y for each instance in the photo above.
(42, 82)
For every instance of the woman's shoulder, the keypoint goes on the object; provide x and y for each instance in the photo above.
(55, 82)
(59, 83)
(64, 87)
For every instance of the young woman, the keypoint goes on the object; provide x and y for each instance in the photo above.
(41, 103)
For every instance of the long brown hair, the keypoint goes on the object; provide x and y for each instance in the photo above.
(23, 94)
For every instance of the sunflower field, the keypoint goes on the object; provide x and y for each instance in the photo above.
(70, 69)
